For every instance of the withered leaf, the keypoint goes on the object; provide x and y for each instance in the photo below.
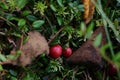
(88, 54)
(35, 46)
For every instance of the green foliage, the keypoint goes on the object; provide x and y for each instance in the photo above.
(39, 7)
(21, 3)
(89, 31)
(116, 59)
(38, 23)
(97, 40)
(14, 4)
(54, 66)
(61, 22)
(21, 22)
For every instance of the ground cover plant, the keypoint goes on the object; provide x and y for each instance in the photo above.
(59, 39)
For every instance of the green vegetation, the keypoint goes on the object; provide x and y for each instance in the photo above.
(60, 22)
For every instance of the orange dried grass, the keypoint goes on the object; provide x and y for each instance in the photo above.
(89, 10)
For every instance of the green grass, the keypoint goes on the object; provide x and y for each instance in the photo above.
(60, 22)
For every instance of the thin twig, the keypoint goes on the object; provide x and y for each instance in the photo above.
(53, 37)
(85, 75)
(2, 33)
(21, 75)
(103, 75)
(73, 70)
(49, 22)
(21, 42)
(88, 75)
(7, 21)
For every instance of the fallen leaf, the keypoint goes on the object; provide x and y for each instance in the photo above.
(88, 54)
(35, 46)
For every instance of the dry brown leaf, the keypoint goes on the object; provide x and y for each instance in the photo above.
(88, 54)
(89, 10)
(35, 46)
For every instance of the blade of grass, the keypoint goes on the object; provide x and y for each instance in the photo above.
(108, 37)
(102, 13)
(106, 21)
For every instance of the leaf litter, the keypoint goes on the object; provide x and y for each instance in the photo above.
(35, 45)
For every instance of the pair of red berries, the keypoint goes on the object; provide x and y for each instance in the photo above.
(56, 51)
(112, 69)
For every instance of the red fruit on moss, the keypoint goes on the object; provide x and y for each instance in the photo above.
(55, 51)
(112, 69)
(67, 52)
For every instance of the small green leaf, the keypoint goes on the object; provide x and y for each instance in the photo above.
(116, 23)
(97, 40)
(116, 57)
(4, 6)
(38, 23)
(60, 3)
(83, 27)
(21, 3)
(13, 78)
(11, 57)
(17, 34)
(26, 12)
(59, 19)
(55, 41)
(1, 68)
(31, 18)
(89, 31)
(81, 7)
(21, 22)
(53, 7)
(10, 16)
(103, 50)
(12, 72)
(2, 57)
(118, 1)
(28, 76)
(19, 52)
(71, 4)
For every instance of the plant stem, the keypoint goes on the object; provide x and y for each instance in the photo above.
(53, 37)
(49, 22)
